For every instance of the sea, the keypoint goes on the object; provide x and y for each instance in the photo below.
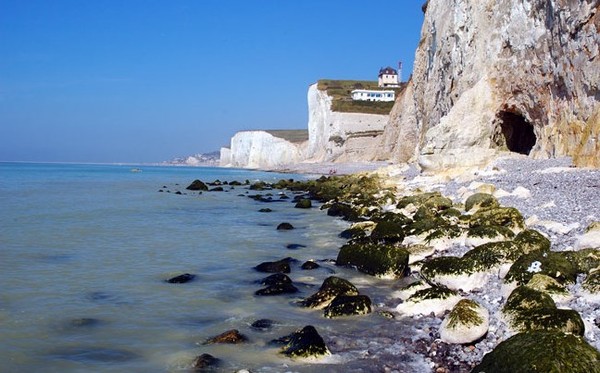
(86, 249)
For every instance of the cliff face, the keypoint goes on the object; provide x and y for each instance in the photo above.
(336, 136)
(260, 149)
(490, 75)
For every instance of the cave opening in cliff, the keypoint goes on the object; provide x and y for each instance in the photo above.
(517, 132)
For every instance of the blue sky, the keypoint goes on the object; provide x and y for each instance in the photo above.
(147, 80)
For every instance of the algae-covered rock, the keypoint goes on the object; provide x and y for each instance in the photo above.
(531, 240)
(508, 217)
(467, 322)
(387, 232)
(205, 363)
(548, 285)
(417, 199)
(436, 299)
(417, 252)
(529, 309)
(344, 210)
(553, 264)
(375, 259)
(395, 217)
(592, 282)
(488, 233)
(303, 203)
(480, 201)
(585, 260)
(438, 203)
(347, 305)
(229, 337)
(541, 352)
(457, 273)
(304, 343)
(590, 238)
(332, 287)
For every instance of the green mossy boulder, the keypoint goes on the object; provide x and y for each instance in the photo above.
(348, 305)
(585, 260)
(444, 231)
(398, 218)
(492, 254)
(424, 213)
(467, 322)
(436, 299)
(438, 203)
(332, 287)
(508, 217)
(259, 185)
(531, 240)
(553, 264)
(444, 265)
(541, 352)
(387, 232)
(303, 203)
(592, 282)
(375, 259)
(424, 226)
(304, 343)
(417, 199)
(345, 211)
(548, 285)
(529, 309)
(481, 201)
(490, 232)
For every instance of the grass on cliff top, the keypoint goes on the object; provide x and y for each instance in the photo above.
(290, 135)
(341, 90)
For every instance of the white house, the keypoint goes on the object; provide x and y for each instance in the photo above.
(373, 95)
(388, 77)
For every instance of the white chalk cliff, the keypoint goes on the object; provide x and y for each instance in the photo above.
(260, 149)
(494, 75)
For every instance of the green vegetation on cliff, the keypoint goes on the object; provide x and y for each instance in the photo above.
(340, 91)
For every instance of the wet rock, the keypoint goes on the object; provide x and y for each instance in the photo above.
(331, 288)
(295, 246)
(285, 226)
(352, 232)
(388, 232)
(508, 217)
(229, 337)
(277, 289)
(265, 210)
(205, 363)
(592, 283)
(309, 265)
(467, 322)
(282, 266)
(548, 285)
(197, 185)
(480, 201)
(376, 260)
(346, 211)
(259, 185)
(262, 324)
(303, 203)
(436, 300)
(584, 260)
(553, 264)
(348, 305)
(217, 189)
(182, 279)
(528, 309)
(277, 278)
(235, 183)
(305, 343)
(541, 351)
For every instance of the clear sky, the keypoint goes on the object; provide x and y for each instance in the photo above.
(148, 80)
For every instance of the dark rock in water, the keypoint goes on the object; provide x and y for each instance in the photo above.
(235, 183)
(229, 337)
(277, 278)
(375, 260)
(217, 189)
(197, 185)
(181, 279)
(388, 232)
(351, 233)
(278, 289)
(178, 193)
(259, 185)
(346, 305)
(344, 210)
(205, 363)
(331, 288)
(305, 343)
(541, 351)
(294, 246)
(284, 196)
(284, 226)
(303, 203)
(282, 266)
(308, 265)
(161, 191)
(265, 210)
(262, 324)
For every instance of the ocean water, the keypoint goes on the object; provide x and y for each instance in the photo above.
(85, 250)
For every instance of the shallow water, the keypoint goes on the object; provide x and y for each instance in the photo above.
(85, 250)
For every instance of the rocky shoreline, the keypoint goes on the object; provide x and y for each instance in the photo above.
(486, 263)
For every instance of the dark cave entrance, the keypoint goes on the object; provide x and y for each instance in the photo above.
(517, 132)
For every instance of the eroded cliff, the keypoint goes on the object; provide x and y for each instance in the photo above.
(496, 75)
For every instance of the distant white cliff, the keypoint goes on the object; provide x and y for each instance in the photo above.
(332, 137)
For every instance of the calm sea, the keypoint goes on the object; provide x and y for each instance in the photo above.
(85, 250)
